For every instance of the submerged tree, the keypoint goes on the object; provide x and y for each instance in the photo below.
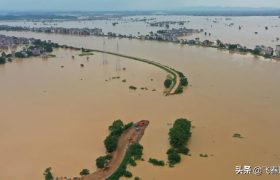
(84, 172)
(2, 60)
(48, 174)
(167, 83)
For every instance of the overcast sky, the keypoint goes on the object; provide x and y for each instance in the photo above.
(100, 5)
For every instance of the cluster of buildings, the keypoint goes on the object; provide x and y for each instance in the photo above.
(28, 47)
(71, 31)
(7, 42)
(208, 43)
(170, 34)
(268, 51)
(262, 50)
(58, 30)
(166, 23)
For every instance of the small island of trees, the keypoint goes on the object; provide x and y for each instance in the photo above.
(48, 174)
(156, 162)
(179, 135)
(84, 172)
(167, 83)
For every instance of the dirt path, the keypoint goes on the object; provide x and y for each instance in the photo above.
(131, 135)
(177, 84)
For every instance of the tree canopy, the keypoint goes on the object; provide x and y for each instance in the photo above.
(180, 133)
(48, 174)
(102, 161)
(111, 143)
(167, 83)
(84, 172)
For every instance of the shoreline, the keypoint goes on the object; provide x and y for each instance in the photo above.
(37, 47)
(192, 42)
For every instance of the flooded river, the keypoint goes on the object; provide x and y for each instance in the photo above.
(225, 29)
(58, 117)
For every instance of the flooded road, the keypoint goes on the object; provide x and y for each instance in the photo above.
(50, 117)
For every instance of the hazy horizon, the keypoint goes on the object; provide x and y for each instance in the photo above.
(130, 5)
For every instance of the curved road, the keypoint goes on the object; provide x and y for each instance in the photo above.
(169, 70)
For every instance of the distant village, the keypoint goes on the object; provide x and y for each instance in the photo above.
(175, 35)
(166, 23)
(28, 47)
(7, 42)
(57, 30)
(261, 50)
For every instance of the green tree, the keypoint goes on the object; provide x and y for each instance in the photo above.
(2, 60)
(232, 46)
(84, 172)
(156, 162)
(19, 55)
(180, 133)
(128, 125)
(116, 128)
(173, 156)
(167, 83)
(184, 81)
(48, 48)
(102, 161)
(111, 143)
(127, 174)
(48, 174)
(183, 150)
(136, 151)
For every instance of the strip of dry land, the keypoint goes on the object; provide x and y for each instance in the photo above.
(128, 137)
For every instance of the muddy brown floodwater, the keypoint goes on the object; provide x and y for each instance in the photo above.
(50, 117)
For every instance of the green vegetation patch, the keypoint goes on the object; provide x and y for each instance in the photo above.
(132, 88)
(127, 174)
(156, 162)
(102, 161)
(86, 54)
(203, 155)
(179, 135)
(48, 174)
(173, 157)
(135, 152)
(111, 141)
(167, 83)
(237, 135)
(2, 60)
(84, 172)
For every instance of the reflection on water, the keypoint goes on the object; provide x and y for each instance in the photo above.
(50, 117)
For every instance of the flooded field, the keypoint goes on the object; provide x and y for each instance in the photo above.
(225, 29)
(58, 117)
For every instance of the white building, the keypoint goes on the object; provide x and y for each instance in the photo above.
(277, 51)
